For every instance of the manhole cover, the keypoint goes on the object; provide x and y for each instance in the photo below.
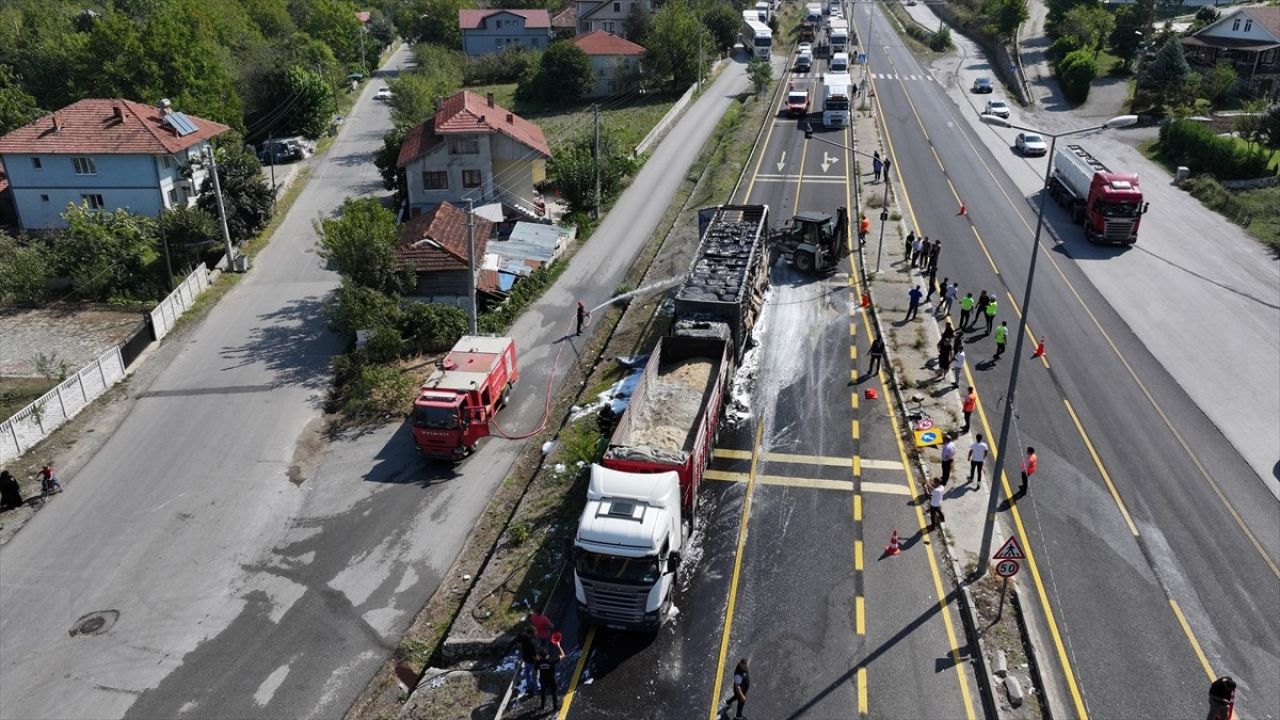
(95, 623)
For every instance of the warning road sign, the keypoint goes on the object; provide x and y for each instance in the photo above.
(924, 424)
(1010, 550)
(925, 438)
(1007, 568)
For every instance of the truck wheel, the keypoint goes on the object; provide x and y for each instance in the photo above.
(804, 261)
(505, 397)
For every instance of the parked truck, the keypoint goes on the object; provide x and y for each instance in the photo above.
(837, 99)
(838, 36)
(1109, 204)
(456, 404)
(642, 496)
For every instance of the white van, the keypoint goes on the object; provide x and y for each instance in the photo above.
(763, 11)
(840, 63)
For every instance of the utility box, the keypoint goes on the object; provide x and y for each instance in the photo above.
(1183, 173)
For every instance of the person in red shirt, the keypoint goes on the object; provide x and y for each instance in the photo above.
(1029, 463)
(970, 404)
(542, 627)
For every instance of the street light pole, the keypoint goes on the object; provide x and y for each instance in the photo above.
(1006, 420)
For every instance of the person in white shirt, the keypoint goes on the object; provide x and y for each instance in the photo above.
(957, 367)
(948, 456)
(936, 517)
(977, 458)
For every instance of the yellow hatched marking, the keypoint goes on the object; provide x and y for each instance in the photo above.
(862, 690)
(860, 615)
(726, 453)
(886, 488)
(857, 432)
(857, 555)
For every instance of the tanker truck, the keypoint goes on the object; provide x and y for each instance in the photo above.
(1109, 204)
(642, 496)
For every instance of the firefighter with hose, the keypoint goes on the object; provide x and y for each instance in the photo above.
(584, 317)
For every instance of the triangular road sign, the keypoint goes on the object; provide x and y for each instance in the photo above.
(1010, 550)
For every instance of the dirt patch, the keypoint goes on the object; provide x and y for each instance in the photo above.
(998, 613)
(673, 404)
(64, 337)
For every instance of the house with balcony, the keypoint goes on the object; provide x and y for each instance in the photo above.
(473, 149)
(615, 60)
(607, 15)
(436, 245)
(111, 154)
(1248, 38)
(491, 30)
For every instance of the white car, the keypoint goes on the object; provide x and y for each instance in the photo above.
(383, 94)
(999, 108)
(804, 48)
(1030, 144)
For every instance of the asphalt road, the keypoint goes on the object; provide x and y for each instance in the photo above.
(1203, 539)
(256, 571)
(832, 630)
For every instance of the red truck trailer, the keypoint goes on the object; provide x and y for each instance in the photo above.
(454, 406)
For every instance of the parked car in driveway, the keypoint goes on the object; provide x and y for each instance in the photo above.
(1030, 144)
(982, 85)
(999, 108)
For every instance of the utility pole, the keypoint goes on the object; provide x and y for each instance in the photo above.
(168, 264)
(271, 148)
(222, 210)
(699, 53)
(596, 109)
(471, 263)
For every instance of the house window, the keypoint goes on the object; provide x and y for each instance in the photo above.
(498, 43)
(35, 163)
(173, 197)
(608, 26)
(44, 198)
(464, 146)
(436, 180)
(94, 200)
(471, 178)
(1248, 24)
(84, 166)
(537, 43)
(166, 162)
(617, 7)
(1268, 57)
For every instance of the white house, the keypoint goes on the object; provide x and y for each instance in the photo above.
(607, 15)
(615, 60)
(472, 149)
(1248, 38)
(110, 153)
(490, 30)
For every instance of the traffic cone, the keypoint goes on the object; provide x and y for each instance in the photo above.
(1039, 349)
(866, 298)
(963, 210)
(893, 548)
(871, 394)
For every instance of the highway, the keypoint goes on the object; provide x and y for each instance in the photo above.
(1157, 543)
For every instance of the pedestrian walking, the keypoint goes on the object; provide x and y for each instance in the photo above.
(864, 227)
(741, 684)
(936, 518)
(916, 247)
(948, 297)
(977, 458)
(968, 406)
(1222, 698)
(888, 163)
(957, 343)
(990, 312)
(933, 286)
(966, 309)
(10, 492)
(909, 242)
(919, 259)
(582, 316)
(957, 368)
(1002, 337)
(944, 357)
(981, 307)
(877, 166)
(877, 354)
(948, 456)
(542, 627)
(1029, 464)
(948, 331)
(528, 662)
(932, 281)
(914, 298)
(49, 481)
(547, 661)
(934, 252)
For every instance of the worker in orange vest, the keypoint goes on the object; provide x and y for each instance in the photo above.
(970, 404)
(864, 227)
(1028, 469)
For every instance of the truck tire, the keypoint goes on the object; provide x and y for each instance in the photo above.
(804, 261)
(505, 397)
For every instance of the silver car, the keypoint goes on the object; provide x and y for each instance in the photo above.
(999, 108)
(1030, 144)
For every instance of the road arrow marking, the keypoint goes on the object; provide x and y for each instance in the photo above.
(783, 161)
(828, 161)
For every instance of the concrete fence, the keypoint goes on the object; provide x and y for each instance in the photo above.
(36, 421)
(179, 301)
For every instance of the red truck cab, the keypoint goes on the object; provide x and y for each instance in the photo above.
(1115, 208)
(454, 406)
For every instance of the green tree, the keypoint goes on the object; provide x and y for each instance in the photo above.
(355, 307)
(17, 107)
(1206, 15)
(1075, 72)
(1250, 124)
(1219, 83)
(672, 59)
(637, 24)
(564, 75)
(335, 23)
(245, 194)
(1058, 9)
(1092, 24)
(760, 72)
(1168, 77)
(24, 270)
(1005, 15)
(192, 70)
(187, 231)
(432, 327)
(722, 22)
(105, 253)
(360, 243)
(382, 32)
(386, 160)
(574, 168)
(312, 105)
(1271, 127)
(1133, 24)
(432, 21)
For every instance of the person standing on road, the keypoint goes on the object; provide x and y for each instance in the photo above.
(10, 491)
(542, 627)
(933, 276)
(877, 166)
(877, 354)
(741, 684)
(968, 406)
(529, 661)
(936, 518)
(582, 316)
(1222, 698)
(934, 252)
(919, 259)
(957, 367)
(949, 294)
(990, 311)
(888, 163)
(910, 241)
(916, 247)
(931, 282)
(547, 676)
(948, 457)
(977, 458)
(981, 308)
(914, 298)
(1002, 337)
(944, 357)
(966, 309)
(864, 227)
(1029, 463)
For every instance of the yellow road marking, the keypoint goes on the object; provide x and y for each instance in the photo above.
(862, 690)
(726, 453)
(859, 615)
(857, 555)
(1204, 661)
(1106, 477)
(857, 507)
(737, 573)
(886, 488)
(857, 466)
(856, 430)
(815, 483)
(577, 673)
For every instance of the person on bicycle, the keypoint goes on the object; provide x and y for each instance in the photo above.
(49, 481)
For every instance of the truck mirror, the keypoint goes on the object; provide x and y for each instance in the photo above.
(1145, 208)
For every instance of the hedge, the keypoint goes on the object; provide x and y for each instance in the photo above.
(1194, 144)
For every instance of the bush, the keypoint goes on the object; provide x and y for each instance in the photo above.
(1075, 72)
(502, 67)
(24, 269)
(385, 345)
(941, 40)
(1064, 46)
(368, 391)
(432, 327)
(1190, 143)
(353, 308)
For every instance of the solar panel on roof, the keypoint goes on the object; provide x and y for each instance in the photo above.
(181, 123)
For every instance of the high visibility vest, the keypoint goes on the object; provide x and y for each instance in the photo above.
(966, 302)
(1002, 334)
(991, 309)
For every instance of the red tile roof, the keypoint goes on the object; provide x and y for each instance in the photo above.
(488, 281)
(472, 19)
(91, 126)
(466, 113)
(437, 240)
(599, 42)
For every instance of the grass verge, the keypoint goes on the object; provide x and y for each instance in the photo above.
(17, 393)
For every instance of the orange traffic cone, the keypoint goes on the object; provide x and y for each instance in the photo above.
(866, 298)
(1039, 348)
(871, 394)
(894, 548)
(963, 210)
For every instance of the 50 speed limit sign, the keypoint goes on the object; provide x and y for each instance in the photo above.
(1007, 568)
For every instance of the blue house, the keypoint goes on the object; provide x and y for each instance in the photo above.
(107, 153)
(491, 30)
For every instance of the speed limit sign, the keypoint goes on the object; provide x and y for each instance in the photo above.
(1007, 568)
